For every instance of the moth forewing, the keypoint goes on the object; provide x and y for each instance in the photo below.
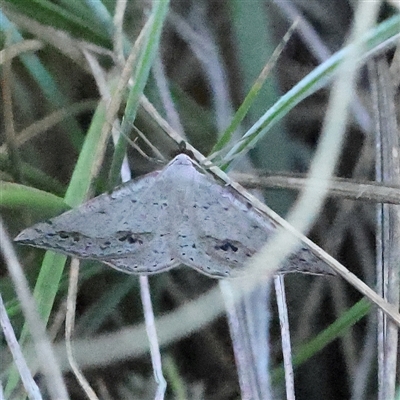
(179, 215)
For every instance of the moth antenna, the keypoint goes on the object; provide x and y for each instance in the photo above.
(134, 145)
(160, 158)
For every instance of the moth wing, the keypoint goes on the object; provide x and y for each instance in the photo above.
(122, 223)
(178, 215)
(229, 232)
(222, 233)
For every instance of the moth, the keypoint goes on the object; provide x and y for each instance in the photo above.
(178, 215)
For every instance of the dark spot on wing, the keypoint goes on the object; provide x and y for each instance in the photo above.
(133, 240)
(129, 237)
(227, 246)
(75, 236)
(105, 245)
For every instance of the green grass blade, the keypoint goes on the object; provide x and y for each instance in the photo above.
(46, 12)
(15, 195)
(334, 331)
(145, 62)
(249, 23)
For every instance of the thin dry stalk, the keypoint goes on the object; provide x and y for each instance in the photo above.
(202, 43)
(48, 363)
(365, 363)
(69, 328)
(17, 49)
(29, 383)
(152, 336)
(172, 115)
(118, 38)
(60, 40)
(342, 188)
(388, 236)
(6, 85)
(49, 121)
(242, 349)
(279, 282)
(153, 148)
(114, 102)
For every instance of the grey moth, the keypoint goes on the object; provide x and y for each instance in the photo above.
(178, 215)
